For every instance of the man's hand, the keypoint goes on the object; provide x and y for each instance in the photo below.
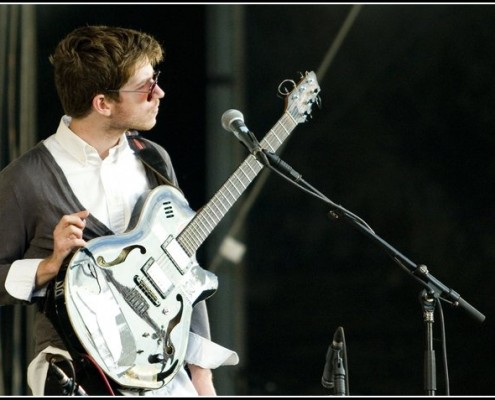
(67, 236)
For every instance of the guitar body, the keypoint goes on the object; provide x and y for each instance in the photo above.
(129, 297)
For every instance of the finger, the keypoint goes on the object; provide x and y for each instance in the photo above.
(83, 214)
(78, 219)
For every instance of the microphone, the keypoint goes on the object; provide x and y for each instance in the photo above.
(233, 121)
(333, 372)
(68, 385)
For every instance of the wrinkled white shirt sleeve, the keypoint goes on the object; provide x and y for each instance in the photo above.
(207, 354)
(20, 282)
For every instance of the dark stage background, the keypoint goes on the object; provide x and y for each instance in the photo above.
(404, 139)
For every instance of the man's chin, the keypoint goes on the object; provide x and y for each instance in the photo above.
(144, 127)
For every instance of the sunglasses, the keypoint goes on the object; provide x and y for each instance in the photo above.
(149, 91)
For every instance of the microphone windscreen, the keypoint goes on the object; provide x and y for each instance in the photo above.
(229, 116)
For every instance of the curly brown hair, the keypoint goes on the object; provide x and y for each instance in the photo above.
(92, 59)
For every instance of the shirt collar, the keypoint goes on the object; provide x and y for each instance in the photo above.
(81, 150)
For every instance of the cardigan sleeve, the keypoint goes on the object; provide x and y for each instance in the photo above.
(12, 232)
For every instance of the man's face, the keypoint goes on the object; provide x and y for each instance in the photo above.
(135, 111)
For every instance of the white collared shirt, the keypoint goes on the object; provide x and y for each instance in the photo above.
(108, 188)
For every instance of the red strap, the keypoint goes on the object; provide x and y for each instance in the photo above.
(137, 144)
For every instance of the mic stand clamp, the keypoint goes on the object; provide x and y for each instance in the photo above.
(276, 162)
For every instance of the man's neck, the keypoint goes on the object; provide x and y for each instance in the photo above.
(95, 135)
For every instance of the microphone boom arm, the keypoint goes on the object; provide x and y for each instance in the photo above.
(419, 272)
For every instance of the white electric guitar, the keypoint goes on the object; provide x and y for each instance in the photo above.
(126, 300)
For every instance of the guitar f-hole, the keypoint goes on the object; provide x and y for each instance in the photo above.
(120, 258)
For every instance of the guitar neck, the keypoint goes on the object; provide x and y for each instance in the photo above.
(211, 214)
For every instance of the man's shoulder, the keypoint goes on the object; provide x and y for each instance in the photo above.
(27, 167)
(32, 156)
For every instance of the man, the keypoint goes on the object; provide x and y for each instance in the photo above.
(83, 182)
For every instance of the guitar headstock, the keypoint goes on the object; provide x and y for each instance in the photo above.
(302, 96)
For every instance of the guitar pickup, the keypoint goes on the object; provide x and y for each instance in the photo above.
(181, 260)
(157, 277)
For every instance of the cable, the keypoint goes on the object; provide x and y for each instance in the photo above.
(444, 349)
(69, 386)
(101, 372)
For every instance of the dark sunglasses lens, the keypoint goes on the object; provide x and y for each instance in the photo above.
(153, 86)
(152, 89)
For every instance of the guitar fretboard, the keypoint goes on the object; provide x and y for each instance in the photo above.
(210, 215)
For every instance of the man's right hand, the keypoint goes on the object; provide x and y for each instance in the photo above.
(67, 236)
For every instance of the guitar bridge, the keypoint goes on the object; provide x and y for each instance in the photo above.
(148, 292)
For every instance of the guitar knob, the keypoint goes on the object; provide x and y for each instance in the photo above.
(155, 358)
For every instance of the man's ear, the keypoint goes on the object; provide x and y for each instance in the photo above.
(102, 104)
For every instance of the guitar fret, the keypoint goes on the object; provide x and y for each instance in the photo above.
(242, 169)
(279, 133)
(241, 182)
(254, 166)
(188, 246)
(272, 145)
(201, 226)
(192, 241)
(213, 217)
(219, 213)
(234, 190)
(232, 194)
(236, 187)
(216, 215)
(222, 198)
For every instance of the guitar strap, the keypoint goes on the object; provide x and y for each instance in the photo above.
(149, 156)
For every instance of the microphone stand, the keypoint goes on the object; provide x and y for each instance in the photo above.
(434, 289)
(428, 302)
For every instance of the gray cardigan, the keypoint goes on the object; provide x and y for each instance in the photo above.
(34, 195)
